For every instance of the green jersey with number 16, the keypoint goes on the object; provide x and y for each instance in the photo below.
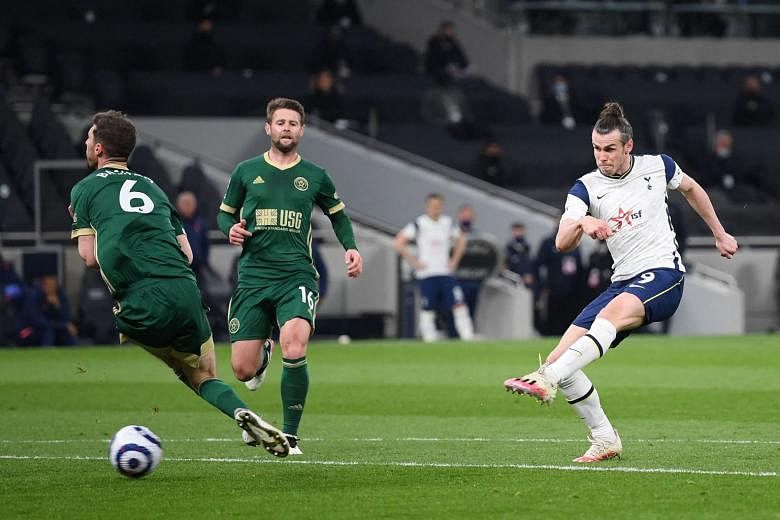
(135, 228)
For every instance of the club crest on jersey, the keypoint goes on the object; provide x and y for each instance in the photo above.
(301, 184)
(234, 325)
(624, 217)
(649, 186)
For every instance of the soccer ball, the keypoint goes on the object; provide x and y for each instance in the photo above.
(135, 451)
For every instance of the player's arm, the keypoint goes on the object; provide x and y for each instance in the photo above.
(342, 226)
(401, 245)
(701, 203)
(86, 246)
(186, 248)
(228, 218)
(81, 230)
(575, 221)
(457, 251)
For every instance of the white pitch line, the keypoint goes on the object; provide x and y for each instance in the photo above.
(618, 469)
(414, 439)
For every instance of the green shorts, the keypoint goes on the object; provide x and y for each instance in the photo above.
(166, 313)
(254, 311)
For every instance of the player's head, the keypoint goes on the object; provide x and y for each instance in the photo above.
(434, 205)
(111, 137)
(518, 229)
(284, 122)
(613, 140)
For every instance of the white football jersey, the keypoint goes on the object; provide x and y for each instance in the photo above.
(635, 207)
(435, 239)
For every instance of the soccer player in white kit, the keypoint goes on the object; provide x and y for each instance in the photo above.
(624, 202)
(436, 235)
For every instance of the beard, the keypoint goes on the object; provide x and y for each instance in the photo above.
(285, 147)
(92, 163)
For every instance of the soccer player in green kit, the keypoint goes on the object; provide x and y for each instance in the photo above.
(267, 210)
(127, 228)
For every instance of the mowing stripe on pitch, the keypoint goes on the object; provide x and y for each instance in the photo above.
(411, 439)
(618, 469)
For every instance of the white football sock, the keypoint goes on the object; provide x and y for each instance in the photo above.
(428, 326)
(463, 322)
(585, 350)
(582, 395)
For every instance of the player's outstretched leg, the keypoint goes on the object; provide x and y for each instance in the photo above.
(263, 433)
(254, 383)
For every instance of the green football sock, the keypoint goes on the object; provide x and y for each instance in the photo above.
(295, 386)
(220, 395)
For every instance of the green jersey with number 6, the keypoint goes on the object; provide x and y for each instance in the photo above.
(135, 228)
(277, 204)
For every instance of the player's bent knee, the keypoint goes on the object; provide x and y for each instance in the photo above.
(244, 371)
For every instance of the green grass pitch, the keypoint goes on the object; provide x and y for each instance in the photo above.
(402, 430)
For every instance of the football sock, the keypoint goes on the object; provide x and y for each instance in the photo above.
(585, 350)
(582, 395)
(295, 386)
(428, 325)
(463, 323)
(220, 395)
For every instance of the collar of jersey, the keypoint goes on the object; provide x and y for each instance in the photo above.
(623, 176)
(115, 166)
(267, 158)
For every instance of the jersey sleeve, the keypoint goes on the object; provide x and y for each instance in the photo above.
(79, 201)
(176, 223)
(409, 231)
(235, 193)
(674, 173)
(327, 199)
(577, 202)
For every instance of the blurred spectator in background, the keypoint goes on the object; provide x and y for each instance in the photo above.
(44, 318)
(202, 53)
(561, 105)
(517, 255)
(559, 281)
(333, 54)
(446, 106)
(469, 281)
(445, 60)
(491, 165)
(197, 231)
(752, 107)
(739, 177)
(344, 13)
(211, 9)
(11, 297)
(325, 99)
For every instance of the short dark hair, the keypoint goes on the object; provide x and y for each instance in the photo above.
(281, 102)
(115, 132)
(434, 196)
(612, 118)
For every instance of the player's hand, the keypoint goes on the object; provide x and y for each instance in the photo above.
(70, 210)
(238, 233)
(726, 245)
(596, 228)
(354, 263)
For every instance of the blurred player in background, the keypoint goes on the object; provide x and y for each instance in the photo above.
(267, 211)
(436, 235)
(624, 202)
(126, 227)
